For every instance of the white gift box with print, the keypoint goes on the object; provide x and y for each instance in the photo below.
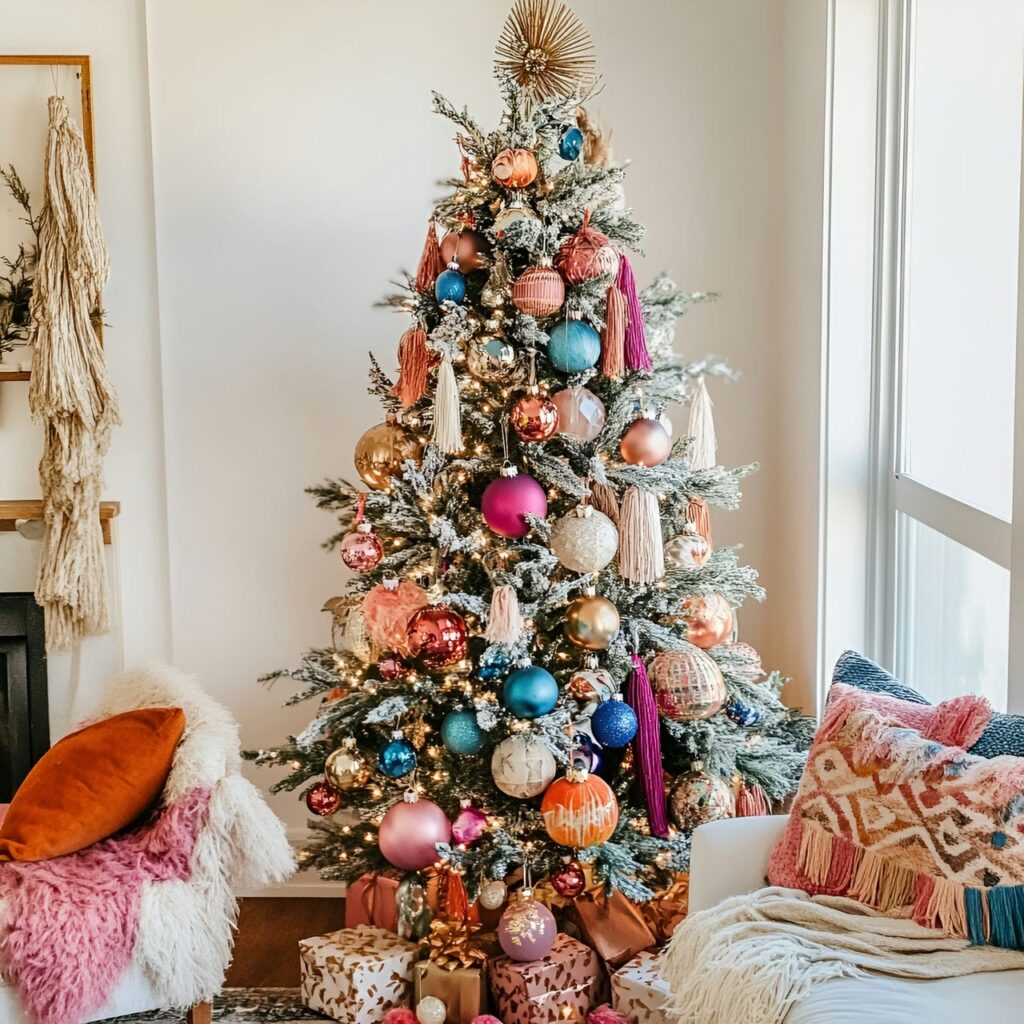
(638, 990)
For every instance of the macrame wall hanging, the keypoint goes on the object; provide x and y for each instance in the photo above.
(70, 392)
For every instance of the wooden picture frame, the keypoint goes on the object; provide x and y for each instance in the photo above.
(84, 71)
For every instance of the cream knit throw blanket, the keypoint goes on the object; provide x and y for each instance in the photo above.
(753, 957)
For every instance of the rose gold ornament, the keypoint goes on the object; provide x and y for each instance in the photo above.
(586, 255)
(469, 249)
(687, 551)
(591, 622)
(687, 684)
(581, 414)
(709, 620)
(645, 443)
(534, 417)
(515, 168)
(539, 291)
(381, 451)
(437, 636)
(361, 549)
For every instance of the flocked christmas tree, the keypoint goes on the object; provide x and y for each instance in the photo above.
(537, 656)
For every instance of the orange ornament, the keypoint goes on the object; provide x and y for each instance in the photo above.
(514, 168)
(579, 810)
(468, 248)
(709, 620)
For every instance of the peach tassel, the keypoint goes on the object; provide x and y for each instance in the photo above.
(431, 263)
(505, 622)
(613, 337)
(414, 359)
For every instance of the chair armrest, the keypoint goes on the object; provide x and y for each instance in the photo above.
(730, 857)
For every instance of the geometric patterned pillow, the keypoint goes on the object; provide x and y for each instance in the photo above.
(910, 826)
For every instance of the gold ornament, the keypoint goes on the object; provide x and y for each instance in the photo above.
(381, 451)
(697, 798)
(591, 622)
(546, 49)
(453, 945)
(491, 358)
(345, 768)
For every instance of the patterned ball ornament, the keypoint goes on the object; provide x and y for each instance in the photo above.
(361, 549)
(570, 879)
(431, 1010)
(530, 692)
(522, 766)
(586, 255)
(645, 443)
(698, 797)
(687, 551)
(591, 622)
(494, 664)
(570, 145)
(437, 636)
(534, 417)
(397, 758)
(688, 684)
(323, 799)
(515, 168)
(743, 715)
(460, 733)
(709, 620)
(410, 831)
(527, 930)
(346, 768)
(581, 414)
(539, 291)
(591, 684)
(450, 285)
(493, 894)
(468, 250)
(507, 501)
(579, 810)
(381, 451)
(613, 723)
(573, 346)
(491, 359)
(585, 540)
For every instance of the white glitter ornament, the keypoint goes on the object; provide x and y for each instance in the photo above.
(431, 1010)
(522, 766)
(585, 540)
(493, 894)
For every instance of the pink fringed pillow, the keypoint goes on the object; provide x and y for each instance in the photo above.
(908, 825)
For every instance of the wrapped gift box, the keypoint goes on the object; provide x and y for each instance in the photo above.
(667, 909)
(562, 986)
(371, 900)
(357, 974)
(463, 990)
(638, 992)
(613, 926)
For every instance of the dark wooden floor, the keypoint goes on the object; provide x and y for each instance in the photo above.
(266, 950)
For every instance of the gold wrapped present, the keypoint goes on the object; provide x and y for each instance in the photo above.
(463, 990)
(668, 908)
(639, 991)
(612, 926)
(357, 974)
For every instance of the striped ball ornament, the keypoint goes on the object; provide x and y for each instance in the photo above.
(688, 684)
(539, 291)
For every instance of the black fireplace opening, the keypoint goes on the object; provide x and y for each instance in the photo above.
(24, 711)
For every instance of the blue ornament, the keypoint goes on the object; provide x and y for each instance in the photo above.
(397, 758)
(742, 714)
(460, 733)
(613, 723)
(530, 692)
(493, 665)
(573, 346)
(450, 285)
(570, 145)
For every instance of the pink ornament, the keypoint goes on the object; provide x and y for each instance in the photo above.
(469, 825)
(581, 414)
(507, 501)
(527, 930)
(484, 1018)
(400, 1015)
(322, 798)
(387, 610)
(390, 668)
(603, 1014)
(410, 831)
(361, 549)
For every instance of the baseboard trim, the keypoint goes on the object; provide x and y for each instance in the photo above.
(302, 885)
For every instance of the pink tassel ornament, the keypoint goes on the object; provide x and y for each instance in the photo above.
(751, 802)
(505, 622)
(636, 355)
(647, 746)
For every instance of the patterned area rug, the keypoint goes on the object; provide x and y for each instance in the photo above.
(243, 1006)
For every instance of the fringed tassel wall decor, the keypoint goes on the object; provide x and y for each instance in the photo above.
(447, 429)
(647, 746)
(414, 361)
(613, 337)
(704, 447)
(641, 551)
(70, 391)
(697, 513)
(431, 263)
(635, 348)
(505, 622)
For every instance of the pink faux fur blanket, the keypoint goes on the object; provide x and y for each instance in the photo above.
(71, 923)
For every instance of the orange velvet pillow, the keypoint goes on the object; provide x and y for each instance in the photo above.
(91, 784)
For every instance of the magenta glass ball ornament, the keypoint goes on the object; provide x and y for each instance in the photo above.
(410, 831)
(527, 930)
(507, 501)
(581, 414)
(469, 825)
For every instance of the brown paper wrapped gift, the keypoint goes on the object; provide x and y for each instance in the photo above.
(612, 926)
(668, 908)
(357, 974)
(462, 990)
(563, 986)
(372, 899)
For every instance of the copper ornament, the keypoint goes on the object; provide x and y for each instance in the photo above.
(381, 451)
(709, 620)
(645, 443)
(437, 636)
(468, 248)
(539, 291)
(361, 549)
(514, 168)
(534, 417)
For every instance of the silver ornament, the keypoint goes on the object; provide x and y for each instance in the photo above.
(431, 1010)
(585, 540)
(493, 894)
(687, 551)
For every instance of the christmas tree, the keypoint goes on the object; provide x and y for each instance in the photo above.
(537, 656)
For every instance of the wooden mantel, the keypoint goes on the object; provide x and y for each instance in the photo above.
(12, 511)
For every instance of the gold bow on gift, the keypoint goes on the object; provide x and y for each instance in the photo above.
(663, 913)
(454, 945)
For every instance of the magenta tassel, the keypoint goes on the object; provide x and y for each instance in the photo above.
(637, 356)
(647, 745)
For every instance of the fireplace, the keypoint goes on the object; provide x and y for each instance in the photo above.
(24, 714)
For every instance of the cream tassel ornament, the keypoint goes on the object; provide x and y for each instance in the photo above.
(602, 497)
(505, 622)
(70, 392)
(641, 558)
(447, 429)
(704, 449)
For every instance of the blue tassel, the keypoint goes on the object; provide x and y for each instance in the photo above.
(1006, 914)
(974, 904)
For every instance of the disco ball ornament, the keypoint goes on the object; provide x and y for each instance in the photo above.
(522, 766)
(579, 810)
(397, 758)
(570, 879)
(410, 831)
(570, 145)
(512, 213)
(493, 665)
(361, 549)
(613, 723)
(591, 684)
(323, 799)
(534, 417)
(431, 1010)
(697, 798)
(514, 168)
(591, 622)
(687, 551)
(437, 636)
(467, 249)
(381, 451)
(581, 414)
(539, 291)
(493, 894)
(687, 684)
(346, 768)
(491, 358)
(450, 285)
(530, 692)
(573, 346)
(527, 929)
(507, 501)
(742, 714)
(585, 540)
(586, 255)
(460, 733)
(709, 620)
(645, 443)
(469, 824)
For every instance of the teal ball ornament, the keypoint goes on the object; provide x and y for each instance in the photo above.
(573, 346)
(613, 723)
(397, 758)
(570, 145)
(460, 733)
(450, 285)
(530, 692)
